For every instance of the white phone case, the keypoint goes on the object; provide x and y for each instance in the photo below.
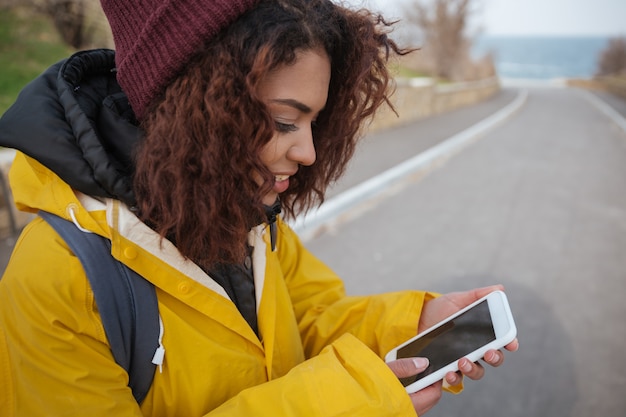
(504, 331)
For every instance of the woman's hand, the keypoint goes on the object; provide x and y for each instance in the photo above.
(426, 398)
(474, 370)
(433, 312)
(439, 308)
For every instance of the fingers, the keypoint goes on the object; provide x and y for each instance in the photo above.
(472, 370)
(481, 292)
(513, 346)
(425, 399)
(494, 358)
(408, 366)
(454, 378)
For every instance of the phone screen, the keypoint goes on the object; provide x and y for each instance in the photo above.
(452, 341)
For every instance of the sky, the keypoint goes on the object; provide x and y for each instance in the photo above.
(534, 17)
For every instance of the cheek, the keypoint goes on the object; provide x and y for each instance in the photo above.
(270, 152)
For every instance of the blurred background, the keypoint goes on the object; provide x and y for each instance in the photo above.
(459, 40)
(531, 39)
(512, 119)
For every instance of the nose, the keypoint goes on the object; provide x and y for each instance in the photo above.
(302, 150)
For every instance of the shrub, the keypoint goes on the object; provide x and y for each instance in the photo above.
(612, 60)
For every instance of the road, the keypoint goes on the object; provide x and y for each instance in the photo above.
(537, 203)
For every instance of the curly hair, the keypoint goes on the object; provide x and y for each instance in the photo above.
(193, 179)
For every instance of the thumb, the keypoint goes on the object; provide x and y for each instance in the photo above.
(405, 367)
(481, 292)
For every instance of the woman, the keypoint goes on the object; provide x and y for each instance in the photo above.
(221, 108)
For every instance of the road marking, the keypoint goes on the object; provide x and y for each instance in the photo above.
(605, 108)
(359, 198)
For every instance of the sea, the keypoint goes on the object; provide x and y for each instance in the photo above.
(542, 57)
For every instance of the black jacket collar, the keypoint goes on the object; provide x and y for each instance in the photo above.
(76, 121)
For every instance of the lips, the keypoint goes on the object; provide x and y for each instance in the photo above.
(281, 183)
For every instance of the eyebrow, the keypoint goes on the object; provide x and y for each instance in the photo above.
(293, 103)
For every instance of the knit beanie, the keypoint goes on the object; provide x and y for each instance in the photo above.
(155, 39)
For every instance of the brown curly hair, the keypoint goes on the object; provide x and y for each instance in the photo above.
(193, 179)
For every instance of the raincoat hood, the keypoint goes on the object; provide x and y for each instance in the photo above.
(75, 120)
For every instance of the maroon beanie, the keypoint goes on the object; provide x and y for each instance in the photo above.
(154, 39)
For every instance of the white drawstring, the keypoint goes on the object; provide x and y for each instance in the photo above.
(159, 354)
(70, 209)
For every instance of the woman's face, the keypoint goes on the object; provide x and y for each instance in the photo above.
(295, 94)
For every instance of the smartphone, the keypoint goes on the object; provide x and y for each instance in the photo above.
(483, 325)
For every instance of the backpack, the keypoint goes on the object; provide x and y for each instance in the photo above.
(127, 304)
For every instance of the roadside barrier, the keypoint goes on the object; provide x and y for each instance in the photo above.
(360, 198)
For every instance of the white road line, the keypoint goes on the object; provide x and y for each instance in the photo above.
(361, 197)
(605, 108)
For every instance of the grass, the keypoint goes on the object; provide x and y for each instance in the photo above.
(405, 72)
(398, 69)
(29, 44)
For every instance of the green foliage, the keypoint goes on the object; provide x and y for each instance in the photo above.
(406, 72)
(28, 45)
(399, 68)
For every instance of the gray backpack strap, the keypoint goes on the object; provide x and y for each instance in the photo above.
(127, 303)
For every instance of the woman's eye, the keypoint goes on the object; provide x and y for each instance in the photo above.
(285, 127)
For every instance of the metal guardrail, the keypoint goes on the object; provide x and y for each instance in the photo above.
(6, 203)
(354, 200)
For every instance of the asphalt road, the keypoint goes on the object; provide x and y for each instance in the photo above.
(538, 204)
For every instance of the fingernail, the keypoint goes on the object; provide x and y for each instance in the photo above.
(420, 363)
(465, 365)
(453, 379)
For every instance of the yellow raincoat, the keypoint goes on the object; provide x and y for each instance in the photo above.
(319, 354)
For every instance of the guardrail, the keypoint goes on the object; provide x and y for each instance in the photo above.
(615, 85)
(354, 200)
(8, 222)
(414, 98)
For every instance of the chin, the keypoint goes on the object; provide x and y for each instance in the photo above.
(269, 199)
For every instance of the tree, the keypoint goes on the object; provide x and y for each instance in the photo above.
(69, 19)
(81, 23)
(612, 59)
(443, 26)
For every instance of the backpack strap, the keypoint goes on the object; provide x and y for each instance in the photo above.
(127, 303)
